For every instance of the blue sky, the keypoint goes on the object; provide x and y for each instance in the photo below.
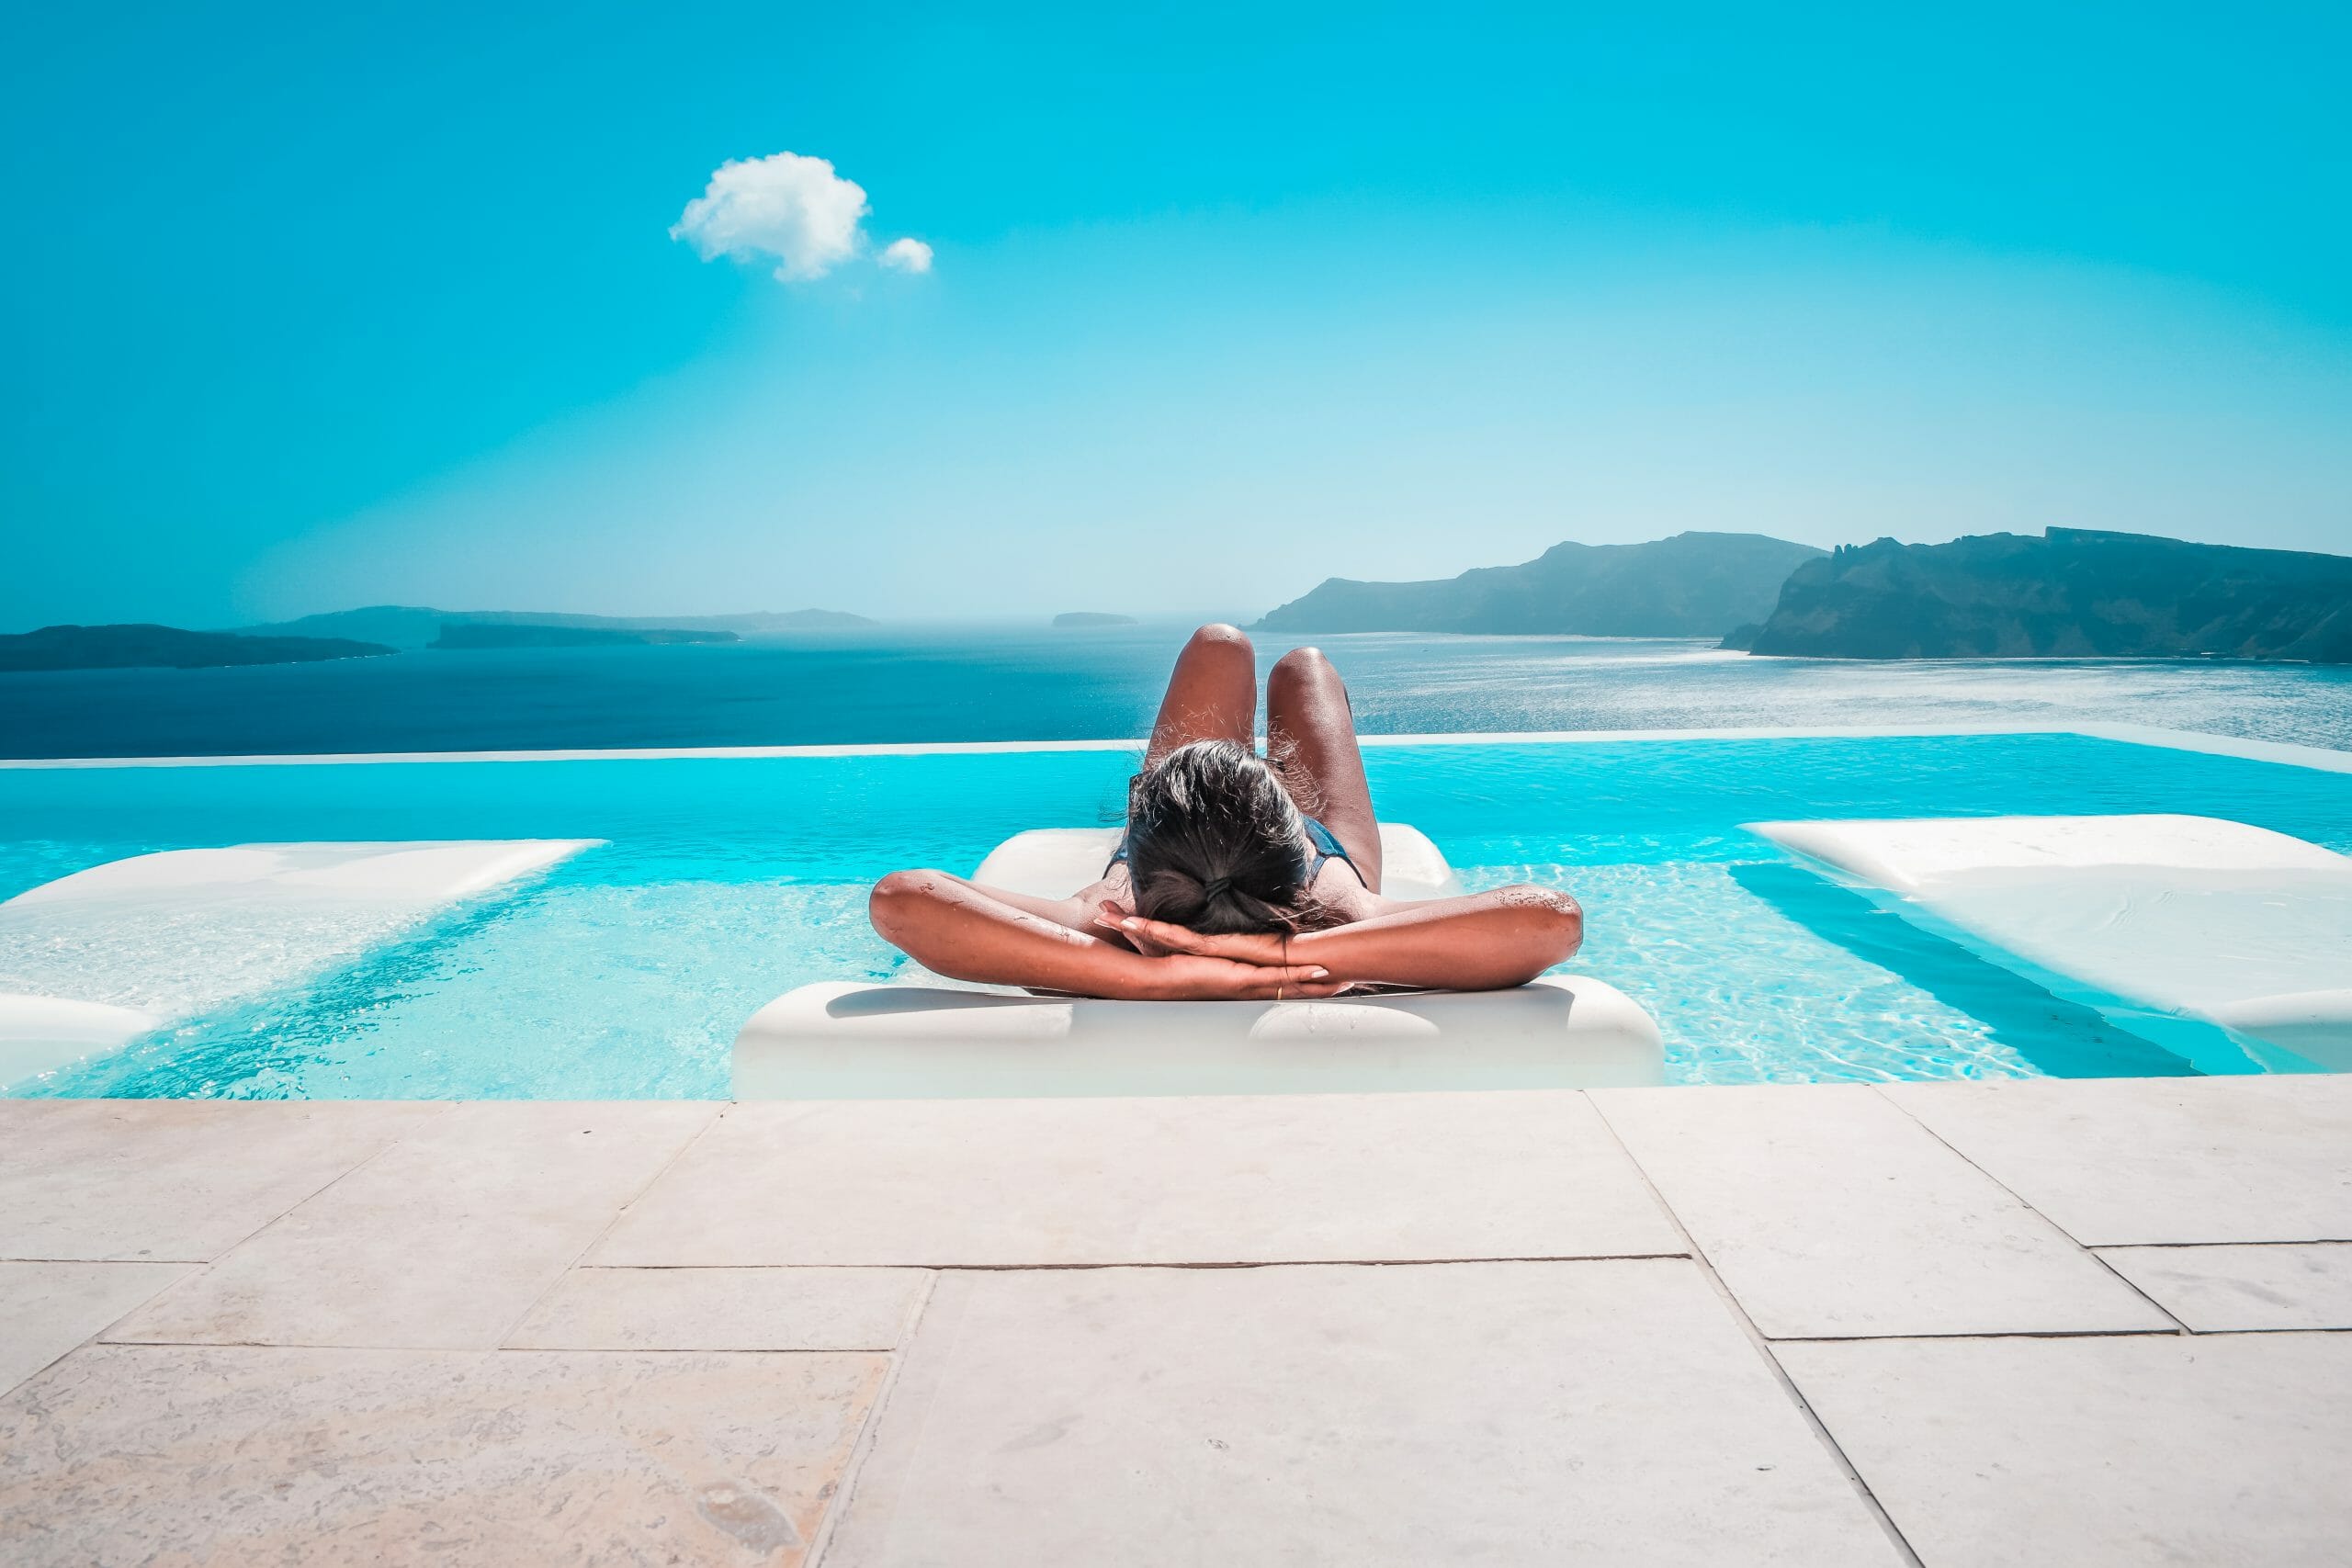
(320, 306)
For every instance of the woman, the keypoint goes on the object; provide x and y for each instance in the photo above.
(1238, 879)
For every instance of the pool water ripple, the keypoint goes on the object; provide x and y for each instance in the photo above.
(626, 972)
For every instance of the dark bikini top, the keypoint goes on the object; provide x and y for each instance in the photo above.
(1328, 849)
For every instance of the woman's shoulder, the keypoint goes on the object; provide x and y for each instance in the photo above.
(1341, 893)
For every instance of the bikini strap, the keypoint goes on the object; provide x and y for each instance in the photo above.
(1328, 849)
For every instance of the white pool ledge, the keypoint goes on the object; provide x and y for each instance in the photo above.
(98, 958)
(2194, 915)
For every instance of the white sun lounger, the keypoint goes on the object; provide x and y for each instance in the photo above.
(840, 1039)
(2190, 916)
(91, 962)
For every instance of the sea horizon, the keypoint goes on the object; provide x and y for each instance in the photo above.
(1023, 680)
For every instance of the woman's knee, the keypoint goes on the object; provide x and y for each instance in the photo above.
(1302, 666)
(1222, 636)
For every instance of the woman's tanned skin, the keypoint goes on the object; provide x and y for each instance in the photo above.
(1092, 943)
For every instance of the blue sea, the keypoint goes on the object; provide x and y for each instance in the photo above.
(1035, 682)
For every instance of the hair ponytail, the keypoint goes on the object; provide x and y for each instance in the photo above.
(1215, 843)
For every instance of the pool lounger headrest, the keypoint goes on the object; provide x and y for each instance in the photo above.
(1053, 862)
(844, 1040)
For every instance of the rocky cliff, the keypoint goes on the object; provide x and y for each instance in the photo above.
(2073, 592)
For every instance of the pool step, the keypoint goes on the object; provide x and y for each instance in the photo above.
(2195, 917)
(96, 959)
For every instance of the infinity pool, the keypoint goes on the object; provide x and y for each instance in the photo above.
(725, 881)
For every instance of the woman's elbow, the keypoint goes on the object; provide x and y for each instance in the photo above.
(1567, 926)
(897, 902)
(1553, 925)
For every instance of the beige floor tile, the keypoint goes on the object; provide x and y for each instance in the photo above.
(1827, 1212)
(156, 1180)
(2215, 1289)
(1588, 1412)
(724, 1309)
(46, 1309)
(1275, 1179)
(2226, 1450)
(444, 1241)
(2133, 1161)
(149, 1454)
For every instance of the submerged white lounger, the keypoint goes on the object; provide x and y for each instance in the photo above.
(91, 962)
(2191, 916)
(845, 1041)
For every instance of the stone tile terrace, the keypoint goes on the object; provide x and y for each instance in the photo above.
(2079, 1323)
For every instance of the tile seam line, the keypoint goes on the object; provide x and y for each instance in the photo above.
(197, 1262)
(2208, 1245)
(200, 1268)
(99, 1337)
(1043, 1268)
(869, 1430)
(2050, 1333)
(2079, 1244)
(1806, 1411)
(800, 1111)
(440, 1112)
(412, 1349)
(894, 1352)
(937, 1361)
(206, 1266)
(2007, 1334)
(556, 1283)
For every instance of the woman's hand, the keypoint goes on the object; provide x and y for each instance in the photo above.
(1192, 977)
(1156, 939)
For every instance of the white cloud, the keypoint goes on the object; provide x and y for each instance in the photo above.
(785, 206)
(906, 255)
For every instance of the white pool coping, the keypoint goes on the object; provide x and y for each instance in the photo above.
(2325, 758)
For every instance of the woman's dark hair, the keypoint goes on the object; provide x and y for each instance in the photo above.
(1216, 842)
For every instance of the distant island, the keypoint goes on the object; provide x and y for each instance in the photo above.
(1689, 585)
(141, 647)
(1093, 618)
(468, 635)
(414, 626)
(2075, 593)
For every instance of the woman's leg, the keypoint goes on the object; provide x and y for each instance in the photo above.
(1212, 694)
(1311, 731)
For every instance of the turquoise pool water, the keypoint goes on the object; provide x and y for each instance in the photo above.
(727, 881)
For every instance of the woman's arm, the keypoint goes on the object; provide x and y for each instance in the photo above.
(1482, 942)
(965, 932)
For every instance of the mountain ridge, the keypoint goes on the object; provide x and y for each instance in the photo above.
(407, 627)
(143, 645)
(1689, 584)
